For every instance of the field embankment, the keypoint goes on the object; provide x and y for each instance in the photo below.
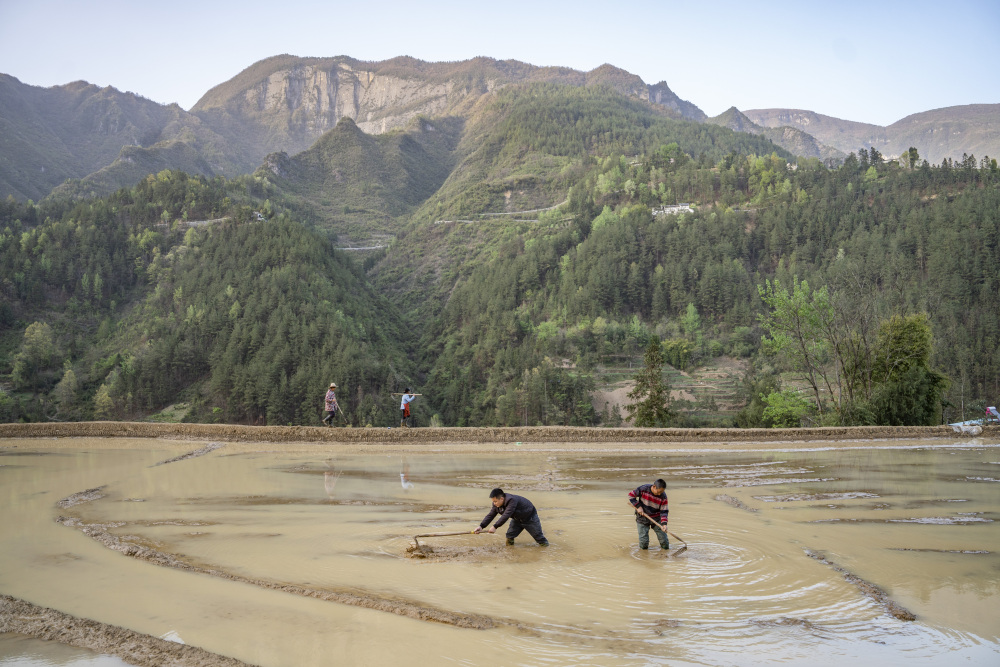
(528, 434)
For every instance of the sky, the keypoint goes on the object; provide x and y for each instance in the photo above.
(871, 61)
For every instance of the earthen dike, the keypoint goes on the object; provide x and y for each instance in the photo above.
(527, 434)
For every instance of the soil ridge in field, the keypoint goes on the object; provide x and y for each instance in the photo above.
(133, 647)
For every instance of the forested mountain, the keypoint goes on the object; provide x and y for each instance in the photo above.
(972, 129)
(529, 150)
(361, 186)
(535, 234)
(523, 332)
(177, 290)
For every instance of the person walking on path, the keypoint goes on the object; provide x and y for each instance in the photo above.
(404, 408)
(650, 504)
(522, 515)
(330, 404)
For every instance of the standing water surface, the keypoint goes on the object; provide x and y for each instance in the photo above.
(792, 554)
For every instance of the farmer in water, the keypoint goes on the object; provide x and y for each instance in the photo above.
(650, 503)
(522, 515)
(404, 408)
(330, 404)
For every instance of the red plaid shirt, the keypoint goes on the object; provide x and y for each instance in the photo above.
(653, 505)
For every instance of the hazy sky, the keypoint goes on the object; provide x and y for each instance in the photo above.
(872, 61)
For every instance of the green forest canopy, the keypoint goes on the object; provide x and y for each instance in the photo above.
(248, 319)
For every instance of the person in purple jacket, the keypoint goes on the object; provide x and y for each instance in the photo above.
(650, 504)
(522, 515)
(330, 404)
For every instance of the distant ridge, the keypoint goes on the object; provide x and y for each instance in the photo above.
(285, 103)
(255, 83)
(790, 138)
(940, 133)
(80, 139)
(101, 138)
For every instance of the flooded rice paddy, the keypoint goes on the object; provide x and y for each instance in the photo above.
(302, 554)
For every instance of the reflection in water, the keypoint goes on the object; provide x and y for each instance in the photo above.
(910, 521)
(330, 478)
(404, 476)
(21, 651)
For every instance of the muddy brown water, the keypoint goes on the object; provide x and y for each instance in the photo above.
(297, 554)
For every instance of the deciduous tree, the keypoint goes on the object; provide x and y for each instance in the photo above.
(651, 394)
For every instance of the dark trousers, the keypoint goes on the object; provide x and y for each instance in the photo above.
(661, 535)
(532, 525)
(328, 417)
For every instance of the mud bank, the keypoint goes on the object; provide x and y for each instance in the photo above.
(867, 588)
(132, 547)
(735, 502)
(210, 447)
(81, 497)
(135, 648)
(507, 435)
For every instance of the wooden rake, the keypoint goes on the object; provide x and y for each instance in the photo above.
(416, 538)
(672, 553)
(682, 549)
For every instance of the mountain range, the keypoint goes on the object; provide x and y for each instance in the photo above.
(521, 234)
(80, 140)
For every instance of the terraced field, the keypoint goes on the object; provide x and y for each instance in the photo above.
(707, 393)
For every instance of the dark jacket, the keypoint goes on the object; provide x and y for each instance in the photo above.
(653, 505)
(518, 507)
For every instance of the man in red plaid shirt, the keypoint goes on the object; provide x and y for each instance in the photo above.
(650, 503)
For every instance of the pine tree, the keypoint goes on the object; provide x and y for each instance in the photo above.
(651, 392)
(104, 406)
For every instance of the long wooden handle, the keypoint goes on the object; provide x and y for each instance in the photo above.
(464, 532)
(677, 538)
(654, 521)
(395, 394)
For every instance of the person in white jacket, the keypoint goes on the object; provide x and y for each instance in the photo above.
(404, 408)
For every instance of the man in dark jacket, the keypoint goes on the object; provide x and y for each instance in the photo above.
(522, 515)
(650, 503)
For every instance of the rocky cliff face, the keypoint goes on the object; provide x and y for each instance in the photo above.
(313, 98)
(292, 101)
(661, 94)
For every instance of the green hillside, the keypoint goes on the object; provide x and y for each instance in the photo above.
(132, 165)
(360, 186)
(533, 245)
(175, 290)
(531, 149)
(565, 300)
